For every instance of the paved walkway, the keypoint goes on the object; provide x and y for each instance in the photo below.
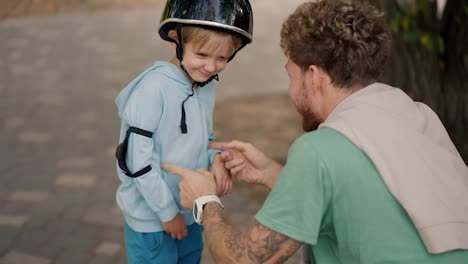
(58, 78)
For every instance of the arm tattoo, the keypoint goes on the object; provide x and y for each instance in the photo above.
(258, 244)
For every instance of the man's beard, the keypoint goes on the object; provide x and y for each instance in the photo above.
(310, 122)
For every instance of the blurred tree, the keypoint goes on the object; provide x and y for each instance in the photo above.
(430, 59)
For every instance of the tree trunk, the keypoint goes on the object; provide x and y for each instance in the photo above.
(436, 78)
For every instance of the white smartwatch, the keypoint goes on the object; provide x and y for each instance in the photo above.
(200, 202)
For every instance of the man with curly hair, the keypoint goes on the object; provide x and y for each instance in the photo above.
(376, 178)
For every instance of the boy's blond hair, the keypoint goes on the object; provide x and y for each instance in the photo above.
(199, 36)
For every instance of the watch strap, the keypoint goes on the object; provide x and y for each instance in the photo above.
(200, 202)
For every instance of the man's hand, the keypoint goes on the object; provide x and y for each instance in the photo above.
(247, 163)
(258, 244)
(221, 175)
(194, 184)
(176, 227)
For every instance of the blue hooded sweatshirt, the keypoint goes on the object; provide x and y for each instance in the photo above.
(153, 102)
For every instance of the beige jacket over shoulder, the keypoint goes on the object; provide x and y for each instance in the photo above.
(415, 157)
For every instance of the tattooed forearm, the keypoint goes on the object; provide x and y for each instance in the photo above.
(258, 244)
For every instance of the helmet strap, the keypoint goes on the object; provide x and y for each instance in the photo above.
(235, 52)
(179, 48)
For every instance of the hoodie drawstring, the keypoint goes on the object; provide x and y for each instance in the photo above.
(183, 124)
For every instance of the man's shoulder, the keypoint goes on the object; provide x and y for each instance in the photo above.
(329, 144)
(324, 138)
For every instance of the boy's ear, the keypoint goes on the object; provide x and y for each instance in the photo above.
(173, 35)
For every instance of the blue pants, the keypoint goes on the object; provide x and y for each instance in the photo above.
(159, 247)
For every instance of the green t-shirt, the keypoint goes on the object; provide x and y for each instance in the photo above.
(331, 196)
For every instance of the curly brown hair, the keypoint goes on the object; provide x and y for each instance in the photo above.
(350, 40)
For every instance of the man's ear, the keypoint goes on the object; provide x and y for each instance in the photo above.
(317, 77)
(311, 76)
(173, 35)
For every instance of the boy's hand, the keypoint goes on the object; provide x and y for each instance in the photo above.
(176, 227)
(222, 176)
(247, 163)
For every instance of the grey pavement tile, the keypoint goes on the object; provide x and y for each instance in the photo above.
(87, 117)
(13, 122)
(15, 55)
(87, 135)
(76, 180)
(123, 260)
(13, 220)
(85, 237)
(60, 227)
(104, 192)
(29, 239)
(51, 99)
(116, 78)
(73, 256)
(7, 238)
(106, 214)
(75, 212)
(51, 250)
(49, 79)
(3, 197)
(18, 42)
(100, 259)
(30, 177)
(113, 234)
(14, 257)
(33, 137)
(38, 221)
(108, 248)
(50, 209)
(60, 239)
(109, 95)
(83, 244)
(110, 151)
(18, 70)
(28, 196)
(72, 196)
(103, 218)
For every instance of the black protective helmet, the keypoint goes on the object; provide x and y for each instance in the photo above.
(233, 16)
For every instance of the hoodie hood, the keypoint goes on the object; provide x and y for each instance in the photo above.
(164, 68)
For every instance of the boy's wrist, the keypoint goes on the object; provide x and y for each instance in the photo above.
(214, 156)
(217, 155)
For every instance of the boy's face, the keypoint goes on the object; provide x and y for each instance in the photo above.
(204, 61)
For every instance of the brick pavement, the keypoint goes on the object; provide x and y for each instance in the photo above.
(59, 76)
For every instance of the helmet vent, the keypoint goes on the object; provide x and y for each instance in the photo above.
(239, 10)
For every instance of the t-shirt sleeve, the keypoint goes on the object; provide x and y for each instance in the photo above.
(296, 205)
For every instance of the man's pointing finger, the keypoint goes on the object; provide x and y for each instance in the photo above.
(176, 170)
(217, 145)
